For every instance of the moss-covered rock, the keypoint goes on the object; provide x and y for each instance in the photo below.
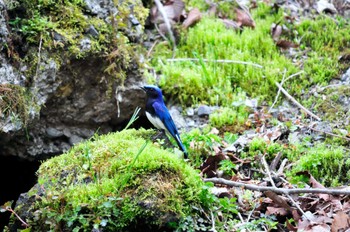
(115, 182)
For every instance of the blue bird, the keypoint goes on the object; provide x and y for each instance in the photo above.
(158, 114)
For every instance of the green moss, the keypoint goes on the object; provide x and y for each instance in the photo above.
(216, 83)
(100, 184)
(231, 119)
(61, 26)
(330, 166)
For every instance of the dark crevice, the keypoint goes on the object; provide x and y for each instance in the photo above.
(16, 176)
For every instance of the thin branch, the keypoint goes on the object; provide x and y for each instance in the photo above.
(167, 23)
(151, 49)
(298, 207)
(263, 160)
(282, 82)
(213, 222)
(279, 91)
(297, 103)
(329, 133)
(17, 216)
(218, 61)
(277, 190)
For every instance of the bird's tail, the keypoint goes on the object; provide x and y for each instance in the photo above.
(181, 146)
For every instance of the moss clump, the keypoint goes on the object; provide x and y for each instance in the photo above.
(331, 166)
(108, 184)
(232, 119)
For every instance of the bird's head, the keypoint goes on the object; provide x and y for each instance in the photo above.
(152, 91)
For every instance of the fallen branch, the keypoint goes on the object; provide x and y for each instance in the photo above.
(218, 61)
(297, 103)
(277, 190)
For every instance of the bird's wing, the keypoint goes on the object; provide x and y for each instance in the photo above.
(162, 112)
(165, 118)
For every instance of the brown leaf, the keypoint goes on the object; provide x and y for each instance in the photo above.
(341, 221)
(278, 200)
(210, 165)
(285, 44)
(230, 24)
(276, 211)
(243, 19)
(290, 227)
(193, 17)
(173, 11)
(276, 31)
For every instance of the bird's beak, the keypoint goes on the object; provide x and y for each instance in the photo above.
(143, 88)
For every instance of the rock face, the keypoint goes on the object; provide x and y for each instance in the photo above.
(67, 100)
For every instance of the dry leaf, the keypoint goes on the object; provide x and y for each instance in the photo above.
(193, 17)
(276, 211)
(243, 19)
(285, 44)
(276, 31)
(278, 200)
(172, 9)
(341, 221)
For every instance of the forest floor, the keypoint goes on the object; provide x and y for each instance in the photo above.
(278, 142)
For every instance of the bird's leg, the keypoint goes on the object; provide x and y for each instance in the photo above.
(161, 135)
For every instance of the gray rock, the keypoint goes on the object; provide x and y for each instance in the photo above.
(85, 44)
(53, 132)
(177, 117)
(204, 110)
(92, 31)
(190, 112)
(74, 139)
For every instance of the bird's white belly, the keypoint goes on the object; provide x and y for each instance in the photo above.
(155, 121)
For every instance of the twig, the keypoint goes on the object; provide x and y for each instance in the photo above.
(298, 207)
(282, 82)
(277, 190)
(218, 61)
(297, 103)
(167, 23)
(263, 160)
(329, 133)
(19, 218)
(39, 56)
(213, 222)
(151, 49)
(279, 91)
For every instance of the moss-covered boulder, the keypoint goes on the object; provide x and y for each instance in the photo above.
(115, 182)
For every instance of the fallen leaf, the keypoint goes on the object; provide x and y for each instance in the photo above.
(193, 17)
(243, 19)
(285, 44)
(210, 165)
(341, 221)
(276, 211)
(276, 31)
(278, 200)
(172, 9)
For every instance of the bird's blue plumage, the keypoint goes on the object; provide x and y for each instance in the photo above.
(158, 114)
